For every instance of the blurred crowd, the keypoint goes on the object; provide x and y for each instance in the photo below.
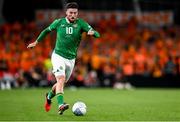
(121, 52)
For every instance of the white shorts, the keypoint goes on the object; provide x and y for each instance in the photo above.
(62, 66)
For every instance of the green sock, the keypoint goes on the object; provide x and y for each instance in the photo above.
(60, 98)
(50, 95)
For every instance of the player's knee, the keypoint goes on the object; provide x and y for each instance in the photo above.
(60, 79)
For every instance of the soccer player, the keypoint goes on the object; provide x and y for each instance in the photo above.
(69, 30)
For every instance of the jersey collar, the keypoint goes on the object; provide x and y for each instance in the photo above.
(67, 20)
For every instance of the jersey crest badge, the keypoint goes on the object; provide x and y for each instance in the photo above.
(75, 25)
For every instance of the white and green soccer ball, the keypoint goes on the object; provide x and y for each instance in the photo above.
(79, 108)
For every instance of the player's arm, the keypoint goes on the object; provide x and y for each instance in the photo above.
(90, 31)
(43, 34)
(93, 33)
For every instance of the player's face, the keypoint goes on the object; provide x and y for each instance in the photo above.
(72, 14)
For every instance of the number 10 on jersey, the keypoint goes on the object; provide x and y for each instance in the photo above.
(69, 30)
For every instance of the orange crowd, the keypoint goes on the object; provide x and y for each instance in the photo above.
(122, 50)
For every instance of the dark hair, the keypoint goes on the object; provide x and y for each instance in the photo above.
(72, 5)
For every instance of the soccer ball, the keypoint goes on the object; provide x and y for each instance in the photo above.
(79, 108)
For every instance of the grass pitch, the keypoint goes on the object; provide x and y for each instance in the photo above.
(102, 105)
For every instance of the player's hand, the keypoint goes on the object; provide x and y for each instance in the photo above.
(90, 32)
(32, 44)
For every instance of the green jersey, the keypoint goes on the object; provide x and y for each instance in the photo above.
(68, 36)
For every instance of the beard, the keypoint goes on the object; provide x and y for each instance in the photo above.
(72, 19)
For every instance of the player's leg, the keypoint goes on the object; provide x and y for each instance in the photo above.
(49, 96)
(60, 89)
(52, 93)
(59, 93)
(59, 68)
(62, 80)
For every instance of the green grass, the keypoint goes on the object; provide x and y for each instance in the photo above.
(102, 105)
